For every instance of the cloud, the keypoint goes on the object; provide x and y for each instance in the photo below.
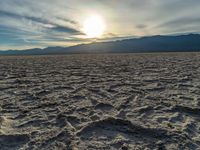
(66, 29)
(42, 23)
(141, 26)
(46, 23)
(18, 29)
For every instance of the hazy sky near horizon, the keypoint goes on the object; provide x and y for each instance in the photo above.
(41, 23)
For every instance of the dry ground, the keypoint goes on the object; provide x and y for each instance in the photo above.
(114, 101)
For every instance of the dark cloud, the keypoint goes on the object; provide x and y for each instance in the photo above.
(68, 20)
(56, 26)
(65, 29)
(9, 14)
(141, 26)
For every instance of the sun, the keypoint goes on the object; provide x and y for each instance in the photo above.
(94, 26)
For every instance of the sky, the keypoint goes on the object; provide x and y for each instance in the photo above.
(28, 24)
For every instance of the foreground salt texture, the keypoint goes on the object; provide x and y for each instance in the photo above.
(114, 101)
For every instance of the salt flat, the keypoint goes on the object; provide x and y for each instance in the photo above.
(110, 101)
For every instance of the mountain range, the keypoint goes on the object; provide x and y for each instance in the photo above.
(158, 43)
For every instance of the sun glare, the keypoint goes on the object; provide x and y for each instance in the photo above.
(94, 26)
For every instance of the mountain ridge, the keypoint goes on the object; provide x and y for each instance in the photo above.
(157, 43)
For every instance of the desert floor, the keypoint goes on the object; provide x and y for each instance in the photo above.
(111, 101)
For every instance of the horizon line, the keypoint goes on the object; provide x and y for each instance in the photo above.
(117, 39)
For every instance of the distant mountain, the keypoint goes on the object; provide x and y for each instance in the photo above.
(181, 43)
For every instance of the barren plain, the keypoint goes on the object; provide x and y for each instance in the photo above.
(100, 101)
